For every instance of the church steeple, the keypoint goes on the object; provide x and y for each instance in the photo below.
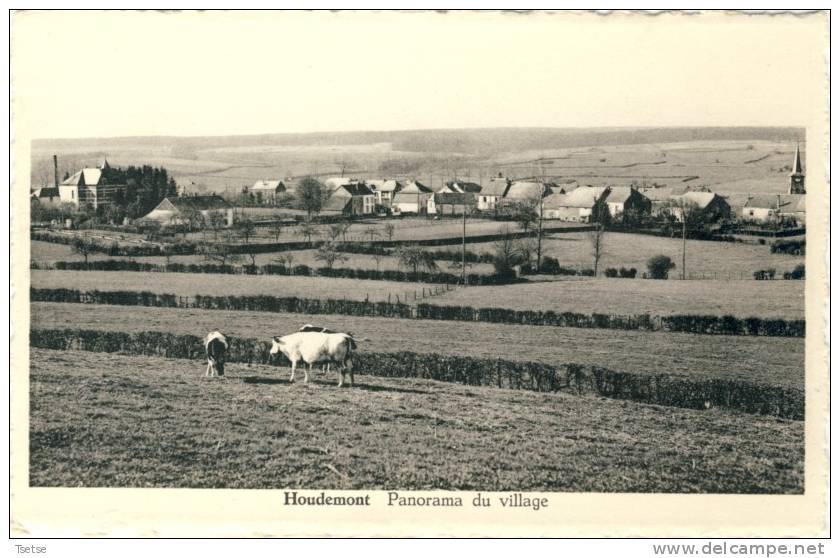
(797, 177)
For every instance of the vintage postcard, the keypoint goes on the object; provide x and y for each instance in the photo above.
(419, 274)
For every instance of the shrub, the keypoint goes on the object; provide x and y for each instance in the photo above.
(659, 266)
(627, 273)
(791, 247)
(797, 273)
(611, 272)
(764, 274)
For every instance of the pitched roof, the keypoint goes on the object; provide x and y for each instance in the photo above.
(414, 187)
(702, 199)
(267, 185)
(521, 190)
(495, 187)
(337, 203)
(384, 185)
(200, 203)
(445, 198)
(585, 196)
(619, 194)
(336, 181)
(355, 189)
(46, 192)
(462, 187)
(90, 177)
(783, 202)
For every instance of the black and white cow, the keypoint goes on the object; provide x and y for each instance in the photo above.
(215, 345)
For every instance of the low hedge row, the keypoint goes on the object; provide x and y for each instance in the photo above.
(440, 277)
(792, 247)
(661, 389)
(116, 249)
(709, 325)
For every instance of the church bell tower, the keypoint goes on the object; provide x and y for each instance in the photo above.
(797, 177)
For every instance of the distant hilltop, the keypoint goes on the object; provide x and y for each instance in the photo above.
(471, 140)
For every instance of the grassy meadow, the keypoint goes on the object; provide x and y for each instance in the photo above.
(252, 429)
(762, 360)
(763, 299)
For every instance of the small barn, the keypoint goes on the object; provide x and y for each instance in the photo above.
(711, 206)
(412, 198)
(451, 204)
(47, 196)
(578, 205)
(624, 201)
(177, 210)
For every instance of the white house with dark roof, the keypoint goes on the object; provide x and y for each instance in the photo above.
(412, 198)
(492, 193)
(385, 190)
(351, 199)
(624, 200)
(578, 205)
(267, 191)
(771, 208)
(89, 186)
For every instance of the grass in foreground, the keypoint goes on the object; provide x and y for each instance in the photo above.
(112, 420)
(764, 360)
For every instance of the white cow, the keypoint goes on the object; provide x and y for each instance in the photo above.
(215, 345)
(316, 347)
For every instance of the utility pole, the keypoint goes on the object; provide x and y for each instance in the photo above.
(539, 236)
(464, 246)
(684, 222)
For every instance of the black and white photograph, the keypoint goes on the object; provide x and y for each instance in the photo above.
(419, 263)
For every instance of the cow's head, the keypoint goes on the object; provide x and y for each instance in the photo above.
(277, 346)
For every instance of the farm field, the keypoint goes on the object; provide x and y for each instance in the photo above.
(188, 284)
(763, 299)
(704, 258)
(255, 430)
(49, 252)
(764, 360)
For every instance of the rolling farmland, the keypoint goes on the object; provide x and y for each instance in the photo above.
(253, 430)
(782, 299)
(775, 361)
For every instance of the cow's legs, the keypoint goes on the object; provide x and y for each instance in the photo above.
(340, 376)
(349, 366)
(292, 377)
(306, 370)
(207, 372)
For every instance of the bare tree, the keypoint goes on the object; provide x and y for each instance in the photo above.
(246, 229)
(83, 246)
(307, 230)
(690, 216)
(389, 230)
(276, 229)
(597, 241)
(287, 259)
(371, 232)
(219, 252)
(415, 258)
(329, 254)
(377, 257)
(216, 220)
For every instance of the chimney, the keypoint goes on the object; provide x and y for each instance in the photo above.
(55, 168)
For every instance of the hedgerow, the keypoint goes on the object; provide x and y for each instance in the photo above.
(708, 325)
(660, 389)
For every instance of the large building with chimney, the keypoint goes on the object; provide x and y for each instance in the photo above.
(90, 186)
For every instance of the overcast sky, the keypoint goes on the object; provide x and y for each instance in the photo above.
(88, 74)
